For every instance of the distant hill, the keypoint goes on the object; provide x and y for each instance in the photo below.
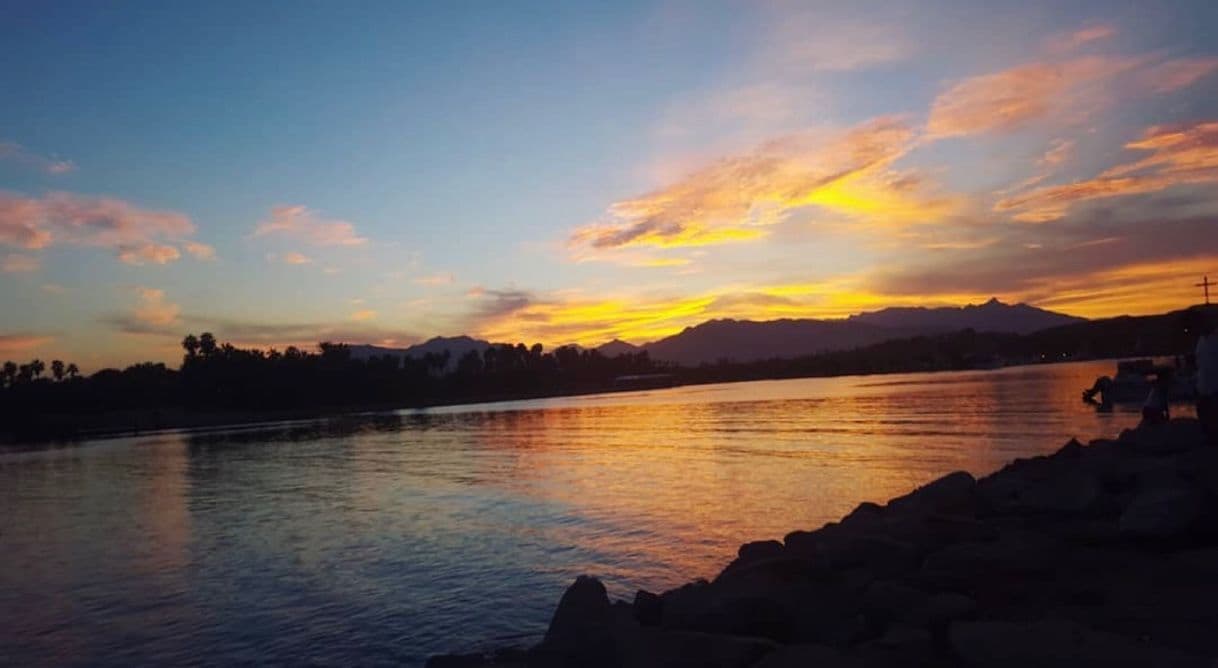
(992, 316)
(616, 347)
(747, 340)
(456, 346)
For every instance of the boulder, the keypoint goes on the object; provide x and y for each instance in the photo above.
(762, 549)
(954, 492)
(648, 608)
(1014, 553)
(581, 630)
(809, 656)
(1164, 513)
(582, 608)
(1175, 436)
(885, 602)
(656, 648)
(1055, 644)
(1200, 466)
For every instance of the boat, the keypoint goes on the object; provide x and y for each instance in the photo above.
(1133, 381)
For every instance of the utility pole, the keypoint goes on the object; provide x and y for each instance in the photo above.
(1205, 284)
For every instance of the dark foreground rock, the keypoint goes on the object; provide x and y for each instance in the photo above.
(1104, 554)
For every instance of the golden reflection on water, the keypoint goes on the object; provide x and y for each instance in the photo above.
(390, 536)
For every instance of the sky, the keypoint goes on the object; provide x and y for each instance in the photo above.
(282, 173)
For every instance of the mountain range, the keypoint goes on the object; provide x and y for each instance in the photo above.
(748, 340)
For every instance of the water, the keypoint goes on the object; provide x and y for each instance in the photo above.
(386, 538)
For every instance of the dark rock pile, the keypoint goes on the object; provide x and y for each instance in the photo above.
(1105, 554)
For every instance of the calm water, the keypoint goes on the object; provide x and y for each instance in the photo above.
(383, 539)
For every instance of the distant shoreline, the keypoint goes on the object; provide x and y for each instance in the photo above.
(77, 428)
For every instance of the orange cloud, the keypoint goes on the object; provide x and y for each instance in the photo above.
(1013, 98)
(1180, 155)
(15, 263)
(737, 198)
(1082, 37)
(11, 344)
(363, 315)
(299, 222)
(290, 257)
(135, 235)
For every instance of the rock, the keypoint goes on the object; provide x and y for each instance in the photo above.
(808, 656)
(1162, 513)
(581, 630)
(648, 608)
(583, 607)
(803, 543)
(458, 661)
(1201, 467)
(763, 549)
(886, 601)
(942, 608)
(1054, 644)
(1175, 436)
(1042, 486)
(1014, 553)
(909, 641)
(952, 493)
(657, 648)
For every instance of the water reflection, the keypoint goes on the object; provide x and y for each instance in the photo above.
(382, 538)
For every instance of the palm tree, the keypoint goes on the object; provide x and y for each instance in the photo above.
(207, 344)
(10, 373)
(37, 367)
(57, 370)
(72, 370)
(191, 345)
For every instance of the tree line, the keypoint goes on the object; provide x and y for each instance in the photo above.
(216, 377)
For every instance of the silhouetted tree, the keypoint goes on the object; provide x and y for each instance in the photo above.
(57, 370)
(207, 344)
(191, 345)
(73, 370)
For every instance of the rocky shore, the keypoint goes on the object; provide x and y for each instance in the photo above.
(1103, 554)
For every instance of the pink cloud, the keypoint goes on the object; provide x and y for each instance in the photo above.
(299, 222)
(200, 251)
(135, 235)
(148, 253)
(20, 343)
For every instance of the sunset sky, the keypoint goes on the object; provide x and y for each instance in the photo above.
(285, 172)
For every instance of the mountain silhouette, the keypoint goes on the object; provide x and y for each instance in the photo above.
(455, 345)
(616, 347)
(992, 316)
(747, 340)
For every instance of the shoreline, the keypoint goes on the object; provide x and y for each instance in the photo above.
(1098, 554)
(140, 423)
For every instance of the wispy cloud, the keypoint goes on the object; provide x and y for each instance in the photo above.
(290, 257)
(133, 234)
(1179, 155)
(23, 156)
(363, 315)
(435, 279)
(15, 263)
(302, 224)
(737, 198)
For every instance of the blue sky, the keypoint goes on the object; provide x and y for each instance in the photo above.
(286, 172)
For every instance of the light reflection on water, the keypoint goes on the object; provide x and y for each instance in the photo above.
(385, 538)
